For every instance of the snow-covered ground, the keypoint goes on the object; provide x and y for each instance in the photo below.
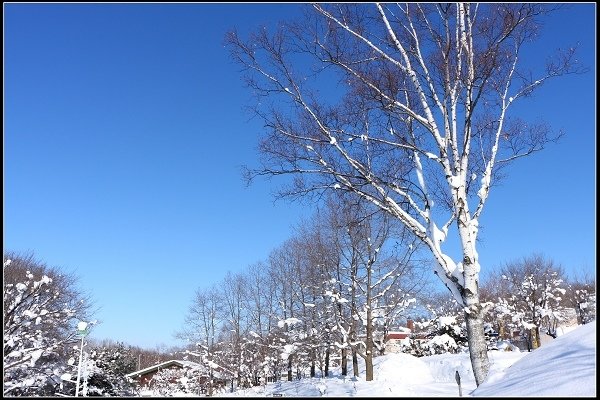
(565, 367)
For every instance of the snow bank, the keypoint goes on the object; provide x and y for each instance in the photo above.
(401, 368)
(443, 367)
(564, 367)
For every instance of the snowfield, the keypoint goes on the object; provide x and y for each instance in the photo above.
(564, 367)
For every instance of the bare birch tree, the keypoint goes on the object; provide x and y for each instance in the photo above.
(201, 325)
(406, 106)
(233, 295)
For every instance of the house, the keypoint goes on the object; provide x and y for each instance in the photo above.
(144, 376)
(395, 339)
(201, 374)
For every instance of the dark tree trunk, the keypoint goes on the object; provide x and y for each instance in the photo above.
(327, 362)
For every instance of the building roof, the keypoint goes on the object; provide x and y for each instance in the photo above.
(164, 364)
(398, 335)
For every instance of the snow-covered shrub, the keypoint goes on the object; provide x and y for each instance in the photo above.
(110, 365)
(444, 331)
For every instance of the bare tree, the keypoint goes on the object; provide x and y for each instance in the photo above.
(233, 294)
(417, 124)
(366, 234)
(367, 273)
(281, 262)
(201, 325)
(204, 317)
(323, 252)
(581, 295)
(260, 297)
(65, 292)
(535, 291)
(493, 290)
(308, 277)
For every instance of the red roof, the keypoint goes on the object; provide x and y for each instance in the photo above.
(397, 335)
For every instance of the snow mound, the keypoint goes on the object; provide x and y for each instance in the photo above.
(564, 367)
(443, 367)
(400, 367)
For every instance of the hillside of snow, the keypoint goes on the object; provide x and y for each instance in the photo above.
(564, 367)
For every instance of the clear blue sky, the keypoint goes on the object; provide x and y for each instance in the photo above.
(124, 131)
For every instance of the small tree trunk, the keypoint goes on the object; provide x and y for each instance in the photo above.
(289, 368)
(535, 338)
(369, 348)
(369, 344)
(344, 362)
(369, 367)
(354, 362)
(327, 362)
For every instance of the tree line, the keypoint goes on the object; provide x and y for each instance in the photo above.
(330, 291)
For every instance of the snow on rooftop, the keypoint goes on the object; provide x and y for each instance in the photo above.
(183, 363)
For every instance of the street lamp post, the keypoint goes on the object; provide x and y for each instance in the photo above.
(81, 330)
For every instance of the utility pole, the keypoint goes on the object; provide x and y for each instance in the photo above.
(81, 330)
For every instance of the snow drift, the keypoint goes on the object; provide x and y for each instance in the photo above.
(564, 367)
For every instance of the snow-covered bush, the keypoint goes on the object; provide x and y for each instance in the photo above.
(106, 368)
(440, 335)
(443, 331)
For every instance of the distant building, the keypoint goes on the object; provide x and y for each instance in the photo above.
(144, 376)
(396, 338)
(200, 374)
